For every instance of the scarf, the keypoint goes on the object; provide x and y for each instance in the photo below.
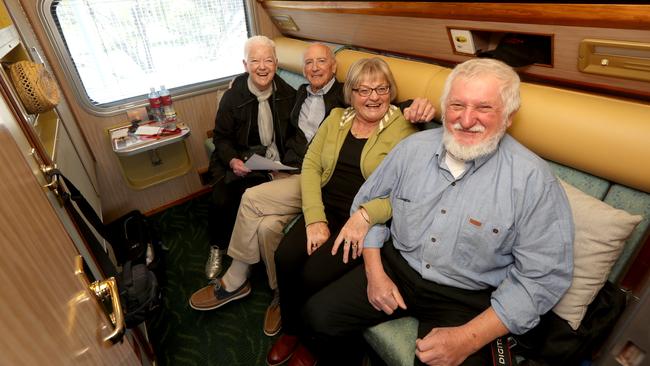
(265, 120)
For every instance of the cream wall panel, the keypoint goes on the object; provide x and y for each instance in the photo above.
(263, 23)
(117, 198)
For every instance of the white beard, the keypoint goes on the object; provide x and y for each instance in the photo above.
(471, 152)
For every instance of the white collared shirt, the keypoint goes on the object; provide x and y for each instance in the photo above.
(312, 112)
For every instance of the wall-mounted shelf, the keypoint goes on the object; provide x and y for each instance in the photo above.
(149, 160)
(125, 144)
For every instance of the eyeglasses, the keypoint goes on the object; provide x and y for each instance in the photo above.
(365, 91)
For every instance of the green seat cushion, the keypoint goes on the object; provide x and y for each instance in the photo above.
(394, 340)
(636, 203)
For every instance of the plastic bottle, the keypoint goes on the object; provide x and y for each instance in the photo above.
(155, 106)
(168, 107)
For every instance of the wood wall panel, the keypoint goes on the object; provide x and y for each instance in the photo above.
(626, 16)
(263, 21)
(46, 318)
(427, 38)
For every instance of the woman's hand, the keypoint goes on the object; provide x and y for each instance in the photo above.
(352, 235)
(383, 294)
(238, 167)
(317, 235)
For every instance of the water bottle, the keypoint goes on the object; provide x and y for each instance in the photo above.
(155, 106)
(168, 107)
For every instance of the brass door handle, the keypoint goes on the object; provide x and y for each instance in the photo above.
(103, 291)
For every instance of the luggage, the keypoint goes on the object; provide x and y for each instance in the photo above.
(137, 248)
(133, 238)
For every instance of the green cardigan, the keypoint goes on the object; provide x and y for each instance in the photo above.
(323, 153)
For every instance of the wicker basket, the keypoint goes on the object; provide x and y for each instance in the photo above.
(35, 86)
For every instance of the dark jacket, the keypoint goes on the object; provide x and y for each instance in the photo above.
(236, 134)
(296, 146)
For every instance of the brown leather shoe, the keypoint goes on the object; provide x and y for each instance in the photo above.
(272, 318)
(302, 357)
(215, 295)
(282, 349)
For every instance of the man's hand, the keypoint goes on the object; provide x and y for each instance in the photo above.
(452, 345)
(238, 167)
(352, 235)
(445, 346)
(421, 110)
(317, 235)
(383, 295)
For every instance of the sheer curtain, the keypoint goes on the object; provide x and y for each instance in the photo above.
(120, 48)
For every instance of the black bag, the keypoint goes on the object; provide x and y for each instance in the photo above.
(134, 239)
(139, 293)
(129, 236)
(554, 342)
(136, 247)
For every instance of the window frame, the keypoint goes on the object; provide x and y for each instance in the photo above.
(109, 109)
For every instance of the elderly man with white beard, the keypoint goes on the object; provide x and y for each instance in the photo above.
(480, 243)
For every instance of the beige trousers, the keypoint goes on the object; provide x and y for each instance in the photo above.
(263, 213)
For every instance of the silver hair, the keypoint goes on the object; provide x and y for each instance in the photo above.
(258, 41)
(329, 51)
(477, 67)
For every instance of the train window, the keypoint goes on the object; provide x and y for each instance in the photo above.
(115, 50)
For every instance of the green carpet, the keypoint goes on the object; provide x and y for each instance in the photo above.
(231, 335)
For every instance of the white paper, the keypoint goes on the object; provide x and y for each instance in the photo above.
(256, 162)
(122, 132)
(148, 130)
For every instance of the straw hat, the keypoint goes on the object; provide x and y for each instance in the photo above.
(35, 86)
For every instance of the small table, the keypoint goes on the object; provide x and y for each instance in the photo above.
(153, 156)
(127, 144)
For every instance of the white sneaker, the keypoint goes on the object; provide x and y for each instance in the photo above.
(214, 265)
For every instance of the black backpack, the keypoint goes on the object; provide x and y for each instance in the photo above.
(137, 249)
(139, 293)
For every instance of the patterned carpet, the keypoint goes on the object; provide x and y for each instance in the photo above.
(231, 335)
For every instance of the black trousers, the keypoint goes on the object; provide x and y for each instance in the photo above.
(336, 316)
(301, 275)
(222, 211)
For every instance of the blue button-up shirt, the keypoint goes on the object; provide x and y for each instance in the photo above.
(505, 222)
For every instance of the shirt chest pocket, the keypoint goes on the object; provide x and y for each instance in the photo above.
(480, 242)
(402, 232)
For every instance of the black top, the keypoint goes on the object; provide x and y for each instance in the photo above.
(346, 180)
